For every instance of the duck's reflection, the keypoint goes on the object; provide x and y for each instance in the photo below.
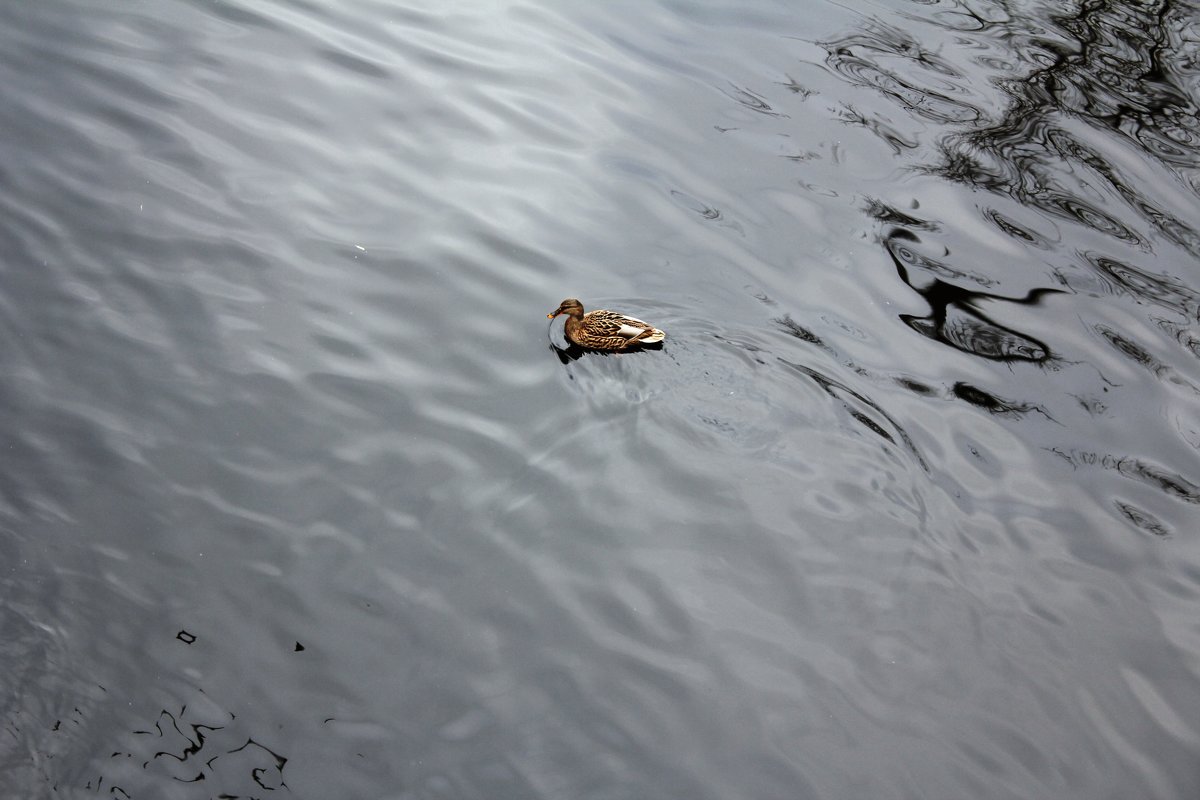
(573, 352)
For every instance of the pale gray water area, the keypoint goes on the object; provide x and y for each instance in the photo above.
(300, 499)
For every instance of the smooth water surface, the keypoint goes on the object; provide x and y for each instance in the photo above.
(299, 498)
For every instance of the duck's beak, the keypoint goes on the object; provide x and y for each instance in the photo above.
(552, 316)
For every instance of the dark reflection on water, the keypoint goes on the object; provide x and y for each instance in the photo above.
(862, 59)
(1112, 72)
(1143, 519)
(295, 502)
(1172, 484)
(860, 408)
(955, 319)
(1116, 79)
(978, 397)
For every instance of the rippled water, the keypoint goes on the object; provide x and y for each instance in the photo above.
(299, 498)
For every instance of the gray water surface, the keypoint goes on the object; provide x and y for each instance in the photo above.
(299, 496)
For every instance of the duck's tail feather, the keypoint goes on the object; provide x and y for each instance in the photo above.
(656, 336)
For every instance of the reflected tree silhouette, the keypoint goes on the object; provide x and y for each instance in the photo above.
(1101, 68)
(1126, 71)
(1121, 66)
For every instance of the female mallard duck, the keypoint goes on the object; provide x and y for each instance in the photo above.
(604, 330)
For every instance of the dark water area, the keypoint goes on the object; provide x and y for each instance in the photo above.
(299, 498)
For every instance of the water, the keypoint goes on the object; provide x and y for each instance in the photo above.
(300, 500)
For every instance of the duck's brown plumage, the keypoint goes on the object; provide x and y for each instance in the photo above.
(605, 330)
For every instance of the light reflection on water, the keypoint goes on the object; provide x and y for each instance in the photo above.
(301, 498)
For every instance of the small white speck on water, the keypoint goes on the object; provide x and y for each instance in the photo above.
(360, 247)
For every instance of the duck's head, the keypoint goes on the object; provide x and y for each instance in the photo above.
(571, 307)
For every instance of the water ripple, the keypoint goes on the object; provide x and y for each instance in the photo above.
(299, 480)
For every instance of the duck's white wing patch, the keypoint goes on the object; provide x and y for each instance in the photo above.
(629, 331)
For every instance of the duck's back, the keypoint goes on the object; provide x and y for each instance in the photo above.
(603, 322)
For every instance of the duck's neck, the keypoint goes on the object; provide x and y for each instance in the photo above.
(574, 321)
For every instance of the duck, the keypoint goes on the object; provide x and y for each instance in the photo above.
(603, 329)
